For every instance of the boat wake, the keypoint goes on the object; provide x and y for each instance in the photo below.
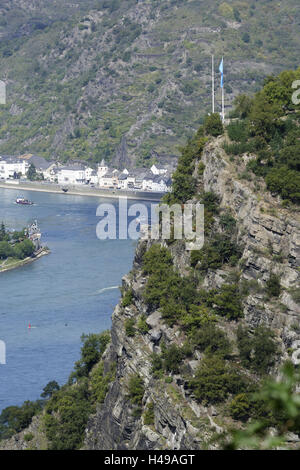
(105, 289)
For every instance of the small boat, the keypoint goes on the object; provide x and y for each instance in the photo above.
(65, 190)
(23, 202)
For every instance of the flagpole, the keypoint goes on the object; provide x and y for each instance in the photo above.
(223, 97)
(223, 105)
(213, 83)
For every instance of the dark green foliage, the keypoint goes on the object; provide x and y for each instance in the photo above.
(50, 389)
(127, 298)
(6, 250)
(212, 340)
(100, 381)
(184, 184)
(149, 414)
(240, 407)
(213, 125)
(136, 391)
(215, 380)
(172, 358)
(229, 302)
(66, 417)
(238, 131)
(31, 173)
(24, 249)
(15, 244)
(130, 327)
(165, 288)
(157, 259)
(276, 411)
(16, 418)
(273, 286)
(285, 182)
(93, 347)
(4, 235)
(243, 105)
(216, 252)
(157, 365)
(142, 326)
(270, 129)
(257, 351)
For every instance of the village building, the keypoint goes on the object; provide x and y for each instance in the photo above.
(158, 170)
(41, 164)
(72, 174)
(12, 167)
(110, 179)
(102, 169)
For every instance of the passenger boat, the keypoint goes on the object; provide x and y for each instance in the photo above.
(23, 202)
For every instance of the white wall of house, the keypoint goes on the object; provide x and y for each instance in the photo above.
(106, 181)
(49, 174)
(8, 169)
(69, 176)
(123, 184)
(147, 185)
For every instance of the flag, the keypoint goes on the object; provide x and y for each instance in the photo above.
(221, 70)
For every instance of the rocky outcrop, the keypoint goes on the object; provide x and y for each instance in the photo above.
(177, 418)
(271, 239)
(269, 233)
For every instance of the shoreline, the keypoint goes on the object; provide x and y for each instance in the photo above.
(74, 191)
(25, 261)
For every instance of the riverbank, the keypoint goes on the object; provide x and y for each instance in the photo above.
(83, 191)
(14, 264)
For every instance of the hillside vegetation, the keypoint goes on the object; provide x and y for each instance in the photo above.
(129, 80)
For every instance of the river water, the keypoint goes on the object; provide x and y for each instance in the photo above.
(70, 292)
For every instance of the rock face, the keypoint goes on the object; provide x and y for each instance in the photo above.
(270, 237)
(114, 426)
(269, 233)
(271, 241)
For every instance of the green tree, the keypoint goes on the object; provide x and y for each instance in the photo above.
(32, 173)
(50, 389)
(213, 125)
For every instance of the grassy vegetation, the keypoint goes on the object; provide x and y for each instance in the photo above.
(67, 99)
(65, 410)
(268, 126)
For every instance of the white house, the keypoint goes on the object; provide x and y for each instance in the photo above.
(158, 171)
(110, 179)
(161, 184)
(50, 174)
(10, 166)
(123, 181)
(91, 176)
(157, 183)
(73, 174)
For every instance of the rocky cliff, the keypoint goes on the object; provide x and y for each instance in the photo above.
(271, 239)
(169, 416)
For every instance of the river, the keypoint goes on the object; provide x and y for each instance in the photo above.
(70, 292)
